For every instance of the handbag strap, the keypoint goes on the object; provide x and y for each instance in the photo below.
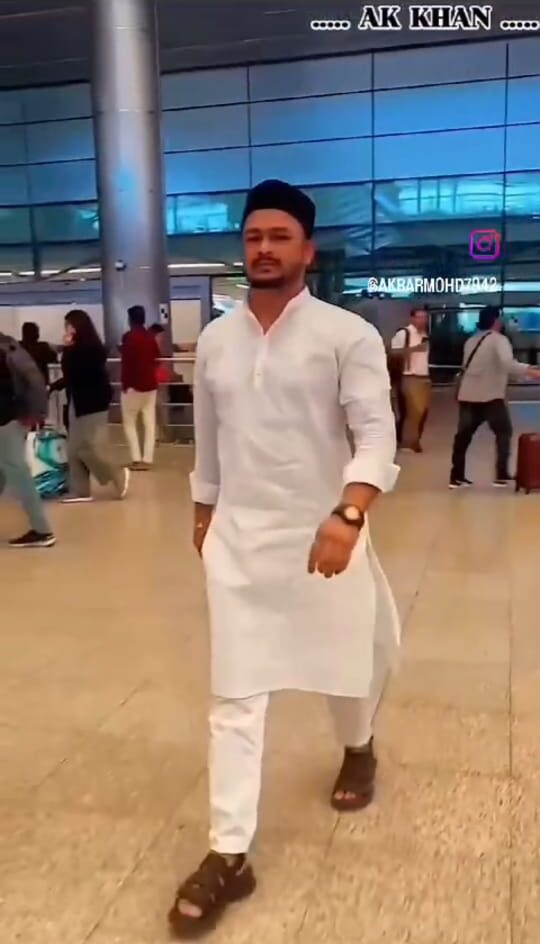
(474, 352)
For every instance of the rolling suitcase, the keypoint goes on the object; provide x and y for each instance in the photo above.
(528, 463)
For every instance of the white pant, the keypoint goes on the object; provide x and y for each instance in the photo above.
(135, 404)
(236, 751)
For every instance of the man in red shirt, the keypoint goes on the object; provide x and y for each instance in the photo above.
(140, 356)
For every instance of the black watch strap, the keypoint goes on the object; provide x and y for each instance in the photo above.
(350, 515)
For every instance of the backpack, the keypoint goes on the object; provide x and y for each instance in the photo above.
(8, 399)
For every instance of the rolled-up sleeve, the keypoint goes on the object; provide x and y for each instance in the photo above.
(516, 370)
(365, 397)
(205, 478)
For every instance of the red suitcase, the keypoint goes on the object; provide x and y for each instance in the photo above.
(528, 463)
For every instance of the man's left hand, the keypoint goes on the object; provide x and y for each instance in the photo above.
(333, 546)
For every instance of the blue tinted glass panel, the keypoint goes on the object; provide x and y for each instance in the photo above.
(207, 171)
(453, 234)
(13, 186)
(323, 162)
(194, 129)
(205, 213)
(440, 198)
(12, 145)
(63, 183)
(436, 65)
(440, 153)
(522, 197)
(67, 222)
(60, 141)
(208, 87)
(346, 205)
(72, 255)
(525, 56)
(15, 259)
(311, 119)
(523, 147)
(443, 107)
(523, 100)
(14, 225)
(524, 319)
(10, 108)
(62, 101)
(310, 77)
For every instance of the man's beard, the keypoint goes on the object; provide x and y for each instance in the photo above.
(278, 281)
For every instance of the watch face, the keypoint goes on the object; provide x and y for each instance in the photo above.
(352, 513)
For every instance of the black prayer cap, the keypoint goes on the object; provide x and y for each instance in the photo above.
(278, 195)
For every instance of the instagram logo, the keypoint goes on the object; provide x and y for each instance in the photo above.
(485, 244)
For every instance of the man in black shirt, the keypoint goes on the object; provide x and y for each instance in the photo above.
(41, 352)
(23, 403)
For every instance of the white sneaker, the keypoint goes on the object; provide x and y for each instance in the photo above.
(460, 483)
(77, 500)
(125, 488)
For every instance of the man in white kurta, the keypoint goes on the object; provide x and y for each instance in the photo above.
(297, 598)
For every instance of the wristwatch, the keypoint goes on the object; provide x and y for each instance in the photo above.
(350, 515)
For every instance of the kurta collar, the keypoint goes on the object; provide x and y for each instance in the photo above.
(293, 305)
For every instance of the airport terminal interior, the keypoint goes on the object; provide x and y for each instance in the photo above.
(420, 152)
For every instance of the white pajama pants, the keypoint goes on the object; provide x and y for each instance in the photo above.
(236, 751)
(134, 405)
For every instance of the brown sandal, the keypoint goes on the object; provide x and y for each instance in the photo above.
(356, 778)
(214, 885)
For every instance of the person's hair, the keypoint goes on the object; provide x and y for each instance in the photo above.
(30, 332)
(85, 331)
(157, 328)
(488, 316)
(137, 316)
(417, 309)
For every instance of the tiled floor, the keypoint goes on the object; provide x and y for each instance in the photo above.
(102, 732)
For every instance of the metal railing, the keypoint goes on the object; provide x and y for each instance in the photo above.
(175, 397)
(174, 401)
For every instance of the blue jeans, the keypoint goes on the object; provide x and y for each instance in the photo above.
(15, 475)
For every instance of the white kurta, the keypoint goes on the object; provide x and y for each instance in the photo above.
(271, 417)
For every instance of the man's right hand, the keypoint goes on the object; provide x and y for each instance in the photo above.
(203, 519)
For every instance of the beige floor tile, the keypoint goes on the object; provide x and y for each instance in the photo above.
(124, 776)
(28, 757)
(526, 746)
(60, 871)
(525, 636)
(525, 685)
(46, 702)
(435, 634)
(445, 739)
(459, 814)
(468, 687)
(109, 686)
(378, 895)
(526, 861)
(162, 713)
(464, 589)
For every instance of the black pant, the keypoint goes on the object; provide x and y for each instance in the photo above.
(471, 416)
